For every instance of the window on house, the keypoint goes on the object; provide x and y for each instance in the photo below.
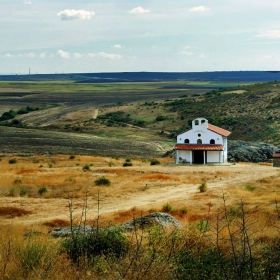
(202, 121)
(199, 141)
(212, 141)
(187, 141)
(196, 122)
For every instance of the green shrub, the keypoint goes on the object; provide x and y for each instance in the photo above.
(127, 164)
(72, 157)
(167, 208)
(249, 188)
(22, 191)
(102, 181)
(202, 187)
(184, 210)
(128, 160)
(12, 192)
(86, 167)
(12, 161)
(42, 190)
(50, 165)
(17, 181)
(100, 242)
(155, 162)
(161, 118)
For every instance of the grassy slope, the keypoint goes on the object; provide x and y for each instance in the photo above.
(251, 112)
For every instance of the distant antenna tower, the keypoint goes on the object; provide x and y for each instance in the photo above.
(29, 70)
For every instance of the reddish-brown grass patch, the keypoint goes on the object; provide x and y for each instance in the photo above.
(13, 211)
(56, 223)
(157, 176)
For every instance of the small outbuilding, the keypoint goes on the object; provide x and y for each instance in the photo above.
(276, 159)
(204, 143)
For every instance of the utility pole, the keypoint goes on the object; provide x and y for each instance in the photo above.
(29, 70)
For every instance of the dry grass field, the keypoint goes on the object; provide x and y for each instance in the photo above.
(35, 193)
(140, 188)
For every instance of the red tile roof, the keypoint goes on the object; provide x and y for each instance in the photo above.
(214, 128)
(198, 147)
(276, 155)
(218, 130)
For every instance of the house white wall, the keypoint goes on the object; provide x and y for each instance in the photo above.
(185, 155)
(213, 156)
(225, 149)
(200, 131)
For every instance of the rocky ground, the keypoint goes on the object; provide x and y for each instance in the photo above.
(241, 151)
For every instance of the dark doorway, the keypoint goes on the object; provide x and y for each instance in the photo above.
(198, 157)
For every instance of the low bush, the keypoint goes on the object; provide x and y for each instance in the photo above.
(155, 162)
(12, 192)
(102, 181)
(127, 164)
(12, 161)
(167, 208)
(86, 167)
(249, 188)
(72, 157)
(101, 242)
(202, 187)
(42, 190)
(22, 191)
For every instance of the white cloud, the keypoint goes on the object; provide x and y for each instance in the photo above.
(270, 34)
(43, 54)
(105, 55)
(186, 53)
(139, 10)
(31, 55)
(202, 55)
(117, 46)
(109, 55)
(27, 2)
(92, 55)
(8, 55)
(75, 14)
(63, 54)
(199, 9)
(78, 55)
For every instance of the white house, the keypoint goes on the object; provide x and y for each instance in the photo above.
(204, 143)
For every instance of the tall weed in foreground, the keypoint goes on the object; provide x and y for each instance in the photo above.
(35, 256)
(26, 258)
(229, 250)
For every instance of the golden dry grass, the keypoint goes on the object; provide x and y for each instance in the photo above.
(134, 190)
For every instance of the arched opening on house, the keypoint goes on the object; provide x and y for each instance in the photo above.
(187, 141)
(203, 121)
(196, 122)
(199, 141)
(212, 141)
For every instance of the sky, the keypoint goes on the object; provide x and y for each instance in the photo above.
(150, 35)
